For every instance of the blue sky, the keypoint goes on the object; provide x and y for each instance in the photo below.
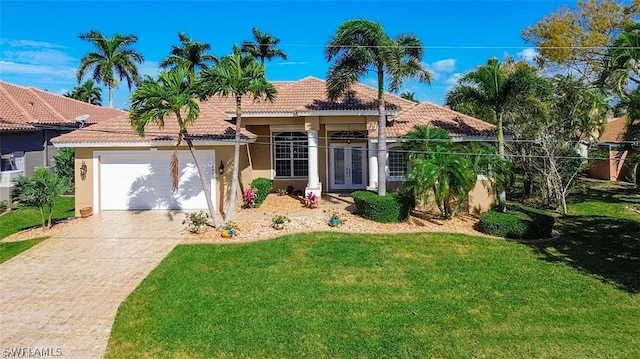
(39, 43)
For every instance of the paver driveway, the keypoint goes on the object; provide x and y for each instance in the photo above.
(62, 295)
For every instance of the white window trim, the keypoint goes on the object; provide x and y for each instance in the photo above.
(274, 160)
(387, 169)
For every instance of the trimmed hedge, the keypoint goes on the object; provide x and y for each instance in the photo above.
(519, 222)
(263, 186)
(392, 207)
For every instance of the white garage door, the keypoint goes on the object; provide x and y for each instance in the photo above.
(135, 180)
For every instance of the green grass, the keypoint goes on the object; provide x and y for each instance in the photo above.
(337, 295)
(26, 217)
(9, 250)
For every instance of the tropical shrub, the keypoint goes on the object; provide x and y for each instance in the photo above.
(519, 222)
(41, 191)
(196, 221)
(311, 200)
(263, 186)
(336, 220)
(4, 206)
(65, 163)
(278, 221)
(249, 197)
(392, 207)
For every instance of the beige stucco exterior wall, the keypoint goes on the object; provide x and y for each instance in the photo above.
(482, 197)
(84, 187)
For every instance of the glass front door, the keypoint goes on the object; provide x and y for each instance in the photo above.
(348, 166)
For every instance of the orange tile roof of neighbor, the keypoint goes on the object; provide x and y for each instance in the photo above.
(614, 130)
(23, 107)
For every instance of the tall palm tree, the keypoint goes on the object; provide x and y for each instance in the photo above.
(112, 57)
(263, 47)
(360, 46)
(87, 92)
(622, 63)
(190, 54)
(493, 88)
(172, 94)
(236, 75)
(411, 96)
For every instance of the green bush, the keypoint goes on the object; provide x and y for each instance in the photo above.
(264, 186)
(392, 207)
(519, 222)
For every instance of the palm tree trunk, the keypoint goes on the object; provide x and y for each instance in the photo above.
(502, 195)
(236, 163)
(205, 185)
(382, 137)
(110, 96)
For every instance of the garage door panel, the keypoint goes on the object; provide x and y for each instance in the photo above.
(142, 181)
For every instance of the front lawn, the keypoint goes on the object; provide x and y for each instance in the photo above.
(27, 217)
(9, 250)
(337, 295)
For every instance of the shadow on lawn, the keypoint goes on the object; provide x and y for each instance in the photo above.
(605, 247)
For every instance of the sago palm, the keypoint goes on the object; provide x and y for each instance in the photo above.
(362, 46)
(190, 55)
(111, 57)
(236, 75)
(263, 47)
(170, 95)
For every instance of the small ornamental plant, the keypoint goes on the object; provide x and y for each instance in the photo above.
(282, 192)
(336, 220)
(196, 222)
(249, 197)
(278, 221)
(311, 200)
(229, 230)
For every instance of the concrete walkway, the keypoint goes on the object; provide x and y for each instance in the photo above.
(61, 296)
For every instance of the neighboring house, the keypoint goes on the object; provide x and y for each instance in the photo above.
(613, 168)
(300, 140)
(29, 118)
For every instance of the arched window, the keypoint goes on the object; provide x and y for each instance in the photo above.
(290, 154)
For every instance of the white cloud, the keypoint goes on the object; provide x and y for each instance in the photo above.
(441, 68)
(63, 72)
(29, 43)
(46, 56)
(291, 63)
(529, 54)
(151, 68)
(453, 80)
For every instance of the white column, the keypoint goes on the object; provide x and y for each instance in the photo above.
(373, 165)
(314, 180)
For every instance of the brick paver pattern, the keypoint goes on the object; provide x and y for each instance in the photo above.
(62, 295)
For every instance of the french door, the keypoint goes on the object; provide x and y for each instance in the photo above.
(347, 166)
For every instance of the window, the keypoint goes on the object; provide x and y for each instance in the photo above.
(397, 163)
(291, 152)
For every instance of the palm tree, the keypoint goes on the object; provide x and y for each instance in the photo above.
(497, 90)
(622, 63)
(264, 47)
(87, 92)
(190, 54)
(236, 75)
(411, 96)
(112, 57)
(172, 94)
(360, 46)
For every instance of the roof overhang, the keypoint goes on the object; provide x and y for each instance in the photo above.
(313, 113)
(148, 144)
(453, 139)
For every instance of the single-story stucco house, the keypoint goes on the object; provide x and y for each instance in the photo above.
(29, 118)
(301, 140)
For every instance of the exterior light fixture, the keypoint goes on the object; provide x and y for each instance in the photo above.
(83, 170)
(221, 168)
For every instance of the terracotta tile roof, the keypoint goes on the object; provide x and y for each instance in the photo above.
(212, 124)
(310, 94)
(614, 130)
(22, 107)
(428, 114)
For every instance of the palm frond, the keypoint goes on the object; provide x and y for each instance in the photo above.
(175, 171)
